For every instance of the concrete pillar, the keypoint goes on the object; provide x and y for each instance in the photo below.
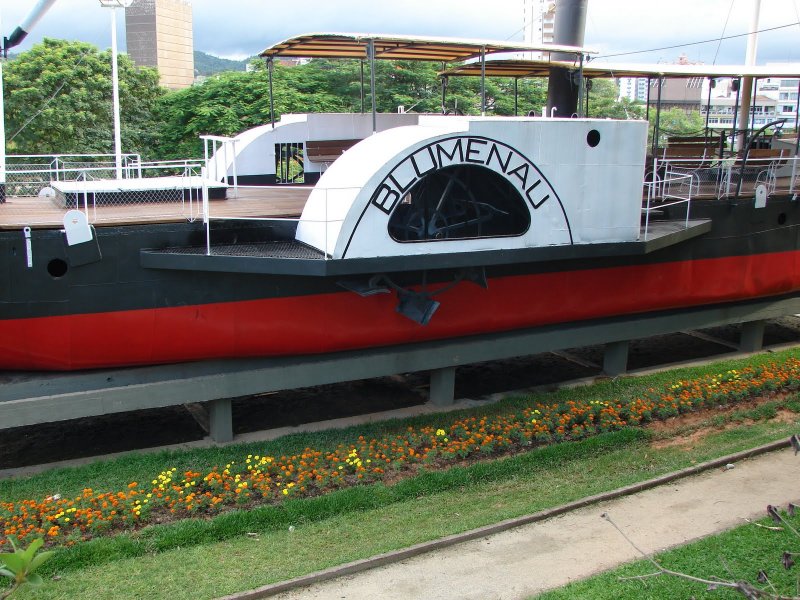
(443, 385)
(220, 418)
(752, 337)
(615, 358)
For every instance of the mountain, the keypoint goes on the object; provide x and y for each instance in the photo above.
(207, 64)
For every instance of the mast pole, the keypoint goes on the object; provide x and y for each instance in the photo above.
(115, 94)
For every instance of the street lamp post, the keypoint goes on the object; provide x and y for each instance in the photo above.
(114, 5)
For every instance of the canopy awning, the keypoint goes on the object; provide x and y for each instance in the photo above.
(402, 47)
(540, 68)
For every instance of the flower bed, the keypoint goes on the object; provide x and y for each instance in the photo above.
(257, 479)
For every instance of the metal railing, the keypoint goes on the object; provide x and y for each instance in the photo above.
(670, 186)
(322, 219)
(152, 191)
(677, 181)
(219, 153)
(722, 177)
(27, 174)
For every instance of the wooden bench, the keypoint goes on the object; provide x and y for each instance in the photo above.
(327, 151)
(694, 139)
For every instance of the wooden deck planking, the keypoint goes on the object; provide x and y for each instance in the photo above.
(261, 202)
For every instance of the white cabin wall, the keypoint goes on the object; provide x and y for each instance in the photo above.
(600, 187)
(255, 148)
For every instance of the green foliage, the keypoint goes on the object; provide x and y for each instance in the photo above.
(188, 533)
(59, 100)
(676, 121)
(232, 102)
(604, 102)
(208, 64)
(20, 566)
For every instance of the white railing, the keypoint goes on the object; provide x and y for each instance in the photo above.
(678, 181)
(673, 188)
(219, 152)
(27, 174)
(721, 177)
(152, 191)
(323, 220)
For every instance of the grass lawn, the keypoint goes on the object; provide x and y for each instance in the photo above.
(238, 550)
(735, 555)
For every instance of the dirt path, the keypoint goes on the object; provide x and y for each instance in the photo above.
(530, 559)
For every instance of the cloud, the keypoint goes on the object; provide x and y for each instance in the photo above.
(245, 27)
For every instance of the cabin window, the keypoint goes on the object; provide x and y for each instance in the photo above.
(289, 163)
(459, 202)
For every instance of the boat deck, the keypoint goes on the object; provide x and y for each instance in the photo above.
(251, 202)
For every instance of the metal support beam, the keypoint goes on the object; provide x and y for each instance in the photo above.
(483, 81)
(270, 67)
(752, 336)
(615, 358)
(371, 56)
(220, 420)
(443, 385)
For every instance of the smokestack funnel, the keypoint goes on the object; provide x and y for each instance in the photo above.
(563, 88)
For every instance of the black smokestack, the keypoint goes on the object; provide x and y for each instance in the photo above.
(568, 30)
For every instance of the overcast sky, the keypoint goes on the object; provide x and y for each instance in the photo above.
(239, 28)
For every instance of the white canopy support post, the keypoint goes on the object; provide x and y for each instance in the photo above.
(235, 176)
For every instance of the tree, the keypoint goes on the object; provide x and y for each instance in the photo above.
(58, 100)
(676, 121)
(232, 102)
(605, 103)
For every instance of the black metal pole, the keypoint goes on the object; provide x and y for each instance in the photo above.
(736, 114)
(362, 86)
(271, 95)
(581, 89)
(797, 120)
(588, 89)
(516, 97)
(657, 125)
(371, 52)
(711, 81)
(483, 81)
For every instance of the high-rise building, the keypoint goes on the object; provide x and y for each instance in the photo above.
(159, 34)
(538, 20)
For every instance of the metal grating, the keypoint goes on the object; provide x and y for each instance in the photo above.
(282, 249)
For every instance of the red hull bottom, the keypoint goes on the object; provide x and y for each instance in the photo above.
(341, 321)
